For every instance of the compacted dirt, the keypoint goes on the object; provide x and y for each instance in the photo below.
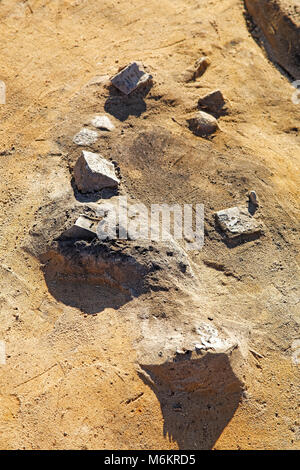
(80, 366)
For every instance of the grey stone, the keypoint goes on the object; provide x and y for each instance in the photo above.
(83, 229)
(212, 102)
(85, 137)
(131, 77)
(102, 122)
(92, 173)
(237, 221)
(203, 124)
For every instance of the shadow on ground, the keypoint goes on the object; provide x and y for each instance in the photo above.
(92, 276)
(198, 398)
(89, 298)
(122, 106)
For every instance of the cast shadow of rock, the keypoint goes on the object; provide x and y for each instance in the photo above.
(88, 298)
(122, 106)
(105, 193)
(92, 278)
(198, 398)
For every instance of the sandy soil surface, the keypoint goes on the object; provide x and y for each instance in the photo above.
(71, 378)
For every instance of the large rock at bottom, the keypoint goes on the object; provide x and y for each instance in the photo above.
(203, 124)
(92, 173)
(237, 221)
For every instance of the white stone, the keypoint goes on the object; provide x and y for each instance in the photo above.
(93, 173)
(102, 122)
(237, 221)
(131, 77)
(85, 137)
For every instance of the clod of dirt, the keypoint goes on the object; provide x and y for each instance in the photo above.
(93, 173)
(203, 124)
(131, 77)
(85, 137)
(197, 70)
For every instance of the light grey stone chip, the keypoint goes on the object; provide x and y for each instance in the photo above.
(93, 173)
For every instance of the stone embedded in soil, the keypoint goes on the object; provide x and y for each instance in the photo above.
(93, 173)
(203, 124)
(253, 198)
(85, 137)
(83, 229)
(197, 70)
(102, 122)
(212, 102)
(131, 77)
(237, 221)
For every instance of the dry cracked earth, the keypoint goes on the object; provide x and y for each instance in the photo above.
(100, 337)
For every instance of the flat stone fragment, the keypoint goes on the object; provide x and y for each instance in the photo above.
(203, 124)
(83, 229)
(85, 137)
(93, 173)
(237, 221)
(212, 102)
(131, 77)
(102, 122)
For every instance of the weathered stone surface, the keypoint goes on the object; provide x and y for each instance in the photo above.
(83, 229)
(197, 70)
(102, 122)
(237, 221)
(85, 137)
(131, 77)
(203, 124)
(92, 173)
(212, 102)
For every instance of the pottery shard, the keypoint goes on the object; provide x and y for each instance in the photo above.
(212, 102)
(92, 173)
(83, 229)
(131, 77)
(203, 124)
(237, 221)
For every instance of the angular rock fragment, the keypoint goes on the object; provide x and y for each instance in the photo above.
(83, 229)
(203, 124)
(212, 102)
(102, 122)
(237, 221)
(93, 173)
(253, 198)
(131, 77)
(85, 137)
(197, 70)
